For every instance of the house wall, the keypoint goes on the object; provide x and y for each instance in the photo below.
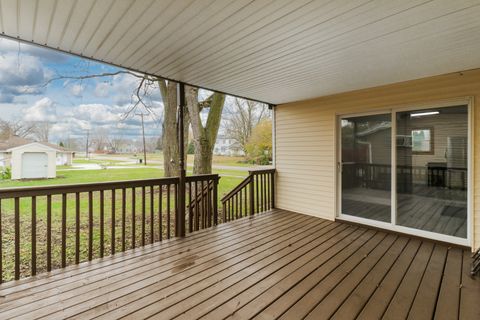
(64, 158)
(306, 138)
(4, 159)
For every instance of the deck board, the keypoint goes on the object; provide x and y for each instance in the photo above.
(275, 265)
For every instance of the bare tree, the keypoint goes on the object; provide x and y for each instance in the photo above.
(73, 143)
(244, 115)
(170, 141)
(204, 136)
(100, 139)
(41, 131)
(16, 128)
(115, 143)
(151, 144)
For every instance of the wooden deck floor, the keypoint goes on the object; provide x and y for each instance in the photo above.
(275, 265)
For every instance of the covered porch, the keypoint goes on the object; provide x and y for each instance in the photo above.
(277, 264)
(313, 62)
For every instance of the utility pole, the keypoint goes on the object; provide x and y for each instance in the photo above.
(143, 135)
(86, 147)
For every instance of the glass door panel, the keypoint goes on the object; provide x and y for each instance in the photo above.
(366, 166)
(432, 161)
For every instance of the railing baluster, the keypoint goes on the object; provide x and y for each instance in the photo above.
(34, 235)
(90, 225)
(152, 224)
(272, 189)
(124, 216)
(112, 235)
(168, 211)
(160, 213)
(143, 215)
(224, 212)
(230, 213)
(202, 202)
(257, 192)
(64, 230)
(133, 217)
(77, 228)
(49, 233)
(210, 207)
(236, 205)
(215, 201)
(252, 195)
(241, 211)
(102, 222)
(267, 180)
(17, 238)
(1, 244)
(264, 189)
(190, 210)
(197, 209)
(175, 204)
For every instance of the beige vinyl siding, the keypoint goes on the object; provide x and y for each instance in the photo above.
(306, 139)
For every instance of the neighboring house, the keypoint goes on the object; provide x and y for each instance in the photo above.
(32, 160)
(227, 147)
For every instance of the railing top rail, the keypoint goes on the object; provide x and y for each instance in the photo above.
(202, 177)
(242, 184)
(14, 192)
(260, 171)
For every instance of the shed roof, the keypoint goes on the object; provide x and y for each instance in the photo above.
(274, 51)
(16, 141)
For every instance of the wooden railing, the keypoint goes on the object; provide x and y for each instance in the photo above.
(202, 201)
(475, 267)
(49, 227)
(255, 194)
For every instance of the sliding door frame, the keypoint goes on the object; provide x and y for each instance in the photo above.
(392, 225)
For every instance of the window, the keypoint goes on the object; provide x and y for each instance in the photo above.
(422, 141)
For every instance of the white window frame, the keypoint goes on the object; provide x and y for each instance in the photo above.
(468, 241)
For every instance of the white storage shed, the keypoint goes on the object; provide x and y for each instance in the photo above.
(33, 161)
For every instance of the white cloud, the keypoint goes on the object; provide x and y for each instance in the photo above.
(96, 113)
(24, 75)
(101, 90)
(76, 90)
(42, 110)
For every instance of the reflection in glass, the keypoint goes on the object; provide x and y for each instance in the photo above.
(366, 166)
(432, 170)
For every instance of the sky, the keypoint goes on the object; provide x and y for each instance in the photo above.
(72, 107)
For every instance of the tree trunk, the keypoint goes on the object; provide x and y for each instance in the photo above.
(204, 138)
(170, 141)
(202, 163)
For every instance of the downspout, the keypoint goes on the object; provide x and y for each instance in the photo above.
(274, 139)
(274, 153)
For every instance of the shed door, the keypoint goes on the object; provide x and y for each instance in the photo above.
(34, 165)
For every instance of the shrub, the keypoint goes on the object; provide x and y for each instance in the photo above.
(259, 146)
(6, 174)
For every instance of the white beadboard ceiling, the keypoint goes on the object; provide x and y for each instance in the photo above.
(275, 51)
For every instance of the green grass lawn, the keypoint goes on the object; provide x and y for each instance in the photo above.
(229, 179)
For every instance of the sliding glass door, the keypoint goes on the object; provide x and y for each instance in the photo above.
(432, 170)
(428, 166)
(366, 166)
